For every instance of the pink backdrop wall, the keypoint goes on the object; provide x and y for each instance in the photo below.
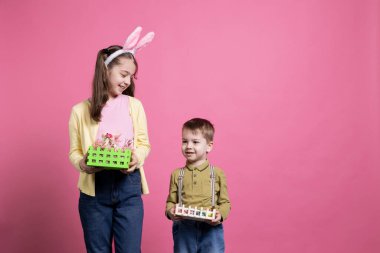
(291, 86)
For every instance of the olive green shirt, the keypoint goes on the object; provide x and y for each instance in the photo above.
(196, 189)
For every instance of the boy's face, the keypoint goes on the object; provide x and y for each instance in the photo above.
(195, 147)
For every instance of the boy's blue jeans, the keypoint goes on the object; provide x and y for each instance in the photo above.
(116, 212)
(197, 237)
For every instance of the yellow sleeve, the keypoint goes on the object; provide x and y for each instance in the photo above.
(142, 140)
(76, 152)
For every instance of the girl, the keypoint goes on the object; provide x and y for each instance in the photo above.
(110, 204)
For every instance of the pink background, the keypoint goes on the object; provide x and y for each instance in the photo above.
(291, 86)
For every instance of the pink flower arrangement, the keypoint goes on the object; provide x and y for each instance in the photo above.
(112, 141)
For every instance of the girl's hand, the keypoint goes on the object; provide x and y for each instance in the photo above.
(132, 164)
(217, 220)
(88, 169)
(173, 216)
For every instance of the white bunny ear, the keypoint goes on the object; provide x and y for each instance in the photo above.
(144, 41)
(132, 39)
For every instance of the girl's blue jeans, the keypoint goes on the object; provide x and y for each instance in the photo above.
(116, 212)
(197, 237)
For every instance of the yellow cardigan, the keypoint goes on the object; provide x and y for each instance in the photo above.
(83, 132)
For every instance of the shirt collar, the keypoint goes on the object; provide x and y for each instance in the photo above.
(201, 167)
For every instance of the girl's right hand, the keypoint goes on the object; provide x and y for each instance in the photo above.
(88, 169)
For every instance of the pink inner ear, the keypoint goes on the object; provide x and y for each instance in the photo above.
(145, 40)
(132, 38)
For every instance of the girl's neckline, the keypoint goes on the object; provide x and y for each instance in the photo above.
(113, 100)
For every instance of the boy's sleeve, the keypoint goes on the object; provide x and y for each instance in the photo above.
(223, 199)
(171, 201)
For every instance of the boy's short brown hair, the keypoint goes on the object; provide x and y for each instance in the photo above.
(203, 125)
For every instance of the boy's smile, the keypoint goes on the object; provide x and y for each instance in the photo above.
(195, 147)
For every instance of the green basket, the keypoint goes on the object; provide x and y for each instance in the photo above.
(109, 158)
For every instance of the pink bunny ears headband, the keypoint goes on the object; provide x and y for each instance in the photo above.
(131, 45)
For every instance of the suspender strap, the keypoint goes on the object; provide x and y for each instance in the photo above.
(212, 187)
(180, 185)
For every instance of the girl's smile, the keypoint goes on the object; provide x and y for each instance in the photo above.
(120, 77)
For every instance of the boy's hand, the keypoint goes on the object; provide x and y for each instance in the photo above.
(132, 164)
(88, 169)
(217, 220)
(172, 215)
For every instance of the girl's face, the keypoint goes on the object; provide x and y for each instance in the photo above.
(120, 76)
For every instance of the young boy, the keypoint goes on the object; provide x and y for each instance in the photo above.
(192, 236)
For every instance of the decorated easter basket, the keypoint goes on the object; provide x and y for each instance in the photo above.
(105, 154)
(195, 213)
